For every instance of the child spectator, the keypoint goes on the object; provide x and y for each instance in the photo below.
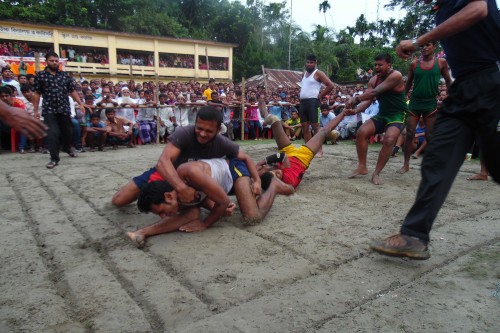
(96, 130)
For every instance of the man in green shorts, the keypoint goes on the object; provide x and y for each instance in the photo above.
(389, 89)
(424, 75)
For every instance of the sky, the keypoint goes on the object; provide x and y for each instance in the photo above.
(342, 13)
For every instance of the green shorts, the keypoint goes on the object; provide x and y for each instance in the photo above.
(383, 121)
(423, 113)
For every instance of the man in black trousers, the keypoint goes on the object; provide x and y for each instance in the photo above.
(54, 86)
(472, 108)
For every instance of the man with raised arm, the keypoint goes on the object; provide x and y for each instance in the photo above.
(472, 108)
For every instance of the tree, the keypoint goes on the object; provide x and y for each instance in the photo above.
(324, 6)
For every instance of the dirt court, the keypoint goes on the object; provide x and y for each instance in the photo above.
(68, 267)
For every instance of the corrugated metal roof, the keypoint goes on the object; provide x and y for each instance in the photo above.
(275, 78)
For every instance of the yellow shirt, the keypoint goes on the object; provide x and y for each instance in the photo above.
(208, 94)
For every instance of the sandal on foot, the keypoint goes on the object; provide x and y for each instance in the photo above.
(51, 165)
(408, 246)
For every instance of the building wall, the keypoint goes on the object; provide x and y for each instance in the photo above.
(112, 41)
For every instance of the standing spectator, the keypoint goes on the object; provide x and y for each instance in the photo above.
(310, 96)
(54, 86)
(127, 104)
(71, 54)
(22, 67)
(167, 118)
(146, 118)
(472, 108)
(211, 88)
(252, 114)
(8, 79)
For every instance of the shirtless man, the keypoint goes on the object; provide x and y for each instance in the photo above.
(213, 179)
(389, 89)
(292, 162)
(423, 75)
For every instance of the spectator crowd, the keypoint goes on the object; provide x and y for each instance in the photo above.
(128, 112)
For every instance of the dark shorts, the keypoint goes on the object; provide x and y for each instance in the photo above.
(115, 140)
(238, 168)
(309, 110)
(381, 125)
(423, 113)
(148, 176)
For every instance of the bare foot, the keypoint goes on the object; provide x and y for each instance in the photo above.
(414, 156)
(404, 169)
(478, 176)
(319, 154)
(230, 209)
(359, 171)
(136, 238)
(376, 180)
(281, 187)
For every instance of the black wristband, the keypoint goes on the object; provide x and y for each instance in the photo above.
(275, 158)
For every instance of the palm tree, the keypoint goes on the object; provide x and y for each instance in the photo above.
(324, 6)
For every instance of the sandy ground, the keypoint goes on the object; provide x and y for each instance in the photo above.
(67, 266)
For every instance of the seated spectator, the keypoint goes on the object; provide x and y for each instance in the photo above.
(120, 131)
(348, 126)
(324, 119)
(96, 130)
(27, 99)
(7, 96)
(292, 126)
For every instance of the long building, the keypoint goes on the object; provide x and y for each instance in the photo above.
(116, 55)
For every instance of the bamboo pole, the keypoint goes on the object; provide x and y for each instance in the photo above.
(130, 64)
(242, 109)
(265, 79)
(208, 64)
(157, 100)
(37, 61)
